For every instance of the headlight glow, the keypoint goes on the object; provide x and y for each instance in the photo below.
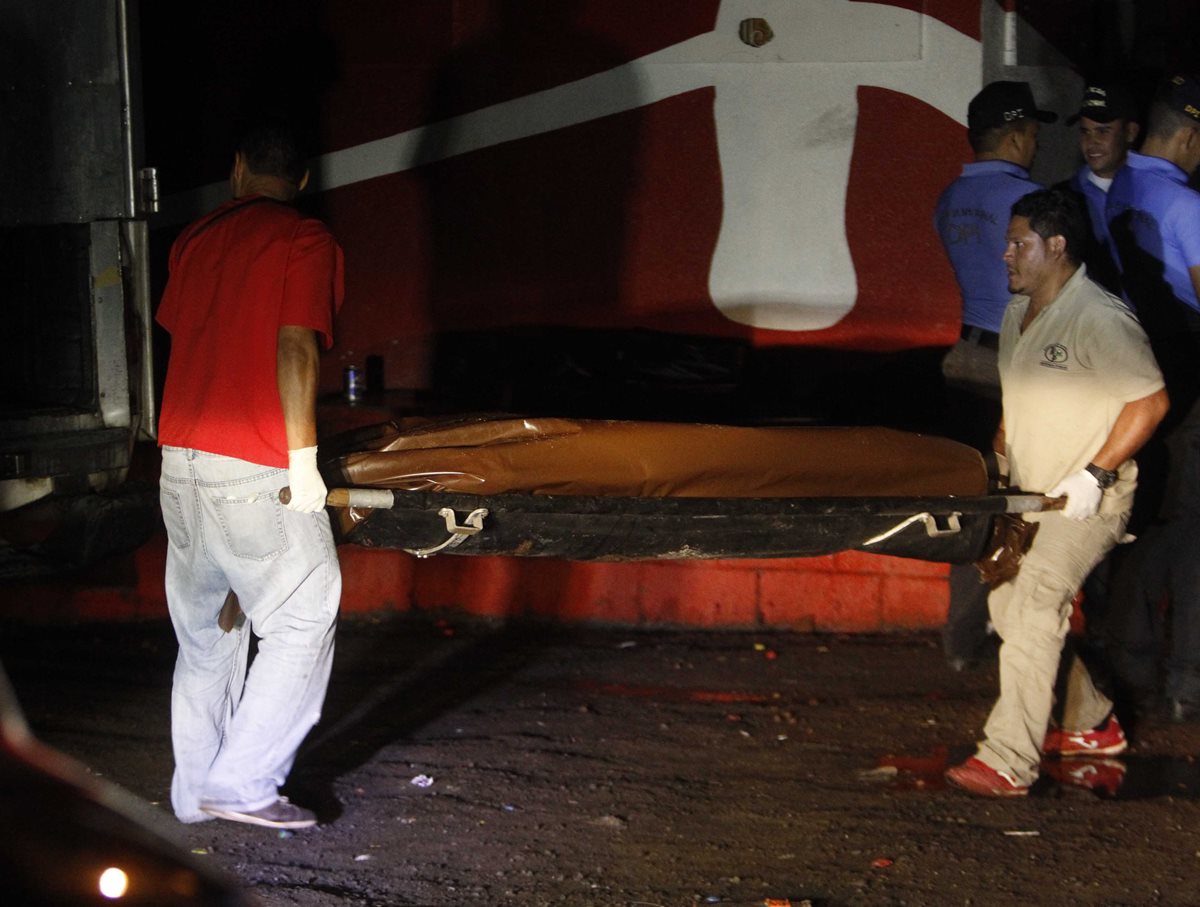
(113, 883)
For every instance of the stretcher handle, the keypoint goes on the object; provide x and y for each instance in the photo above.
(1034, 503)
(372, 498)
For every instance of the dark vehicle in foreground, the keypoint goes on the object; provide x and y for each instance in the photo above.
(73, 840)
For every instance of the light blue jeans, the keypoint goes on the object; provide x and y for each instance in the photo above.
(235, 733)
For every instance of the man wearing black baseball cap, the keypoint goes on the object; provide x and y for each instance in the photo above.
(1154, 220)
(971, 218)
(972, 213)
(1108, 127)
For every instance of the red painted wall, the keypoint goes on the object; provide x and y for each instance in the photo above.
(848, 592)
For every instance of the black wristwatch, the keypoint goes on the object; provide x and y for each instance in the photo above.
(1105, 478)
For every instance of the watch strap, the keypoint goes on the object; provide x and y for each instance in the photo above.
(1105, 478)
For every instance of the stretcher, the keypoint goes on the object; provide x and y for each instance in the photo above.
(601, 490)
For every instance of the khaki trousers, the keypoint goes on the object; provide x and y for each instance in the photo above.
(1032, 615)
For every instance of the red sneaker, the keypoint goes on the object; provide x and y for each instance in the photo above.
(1106, 740)
(1104, 776)
(980, 778)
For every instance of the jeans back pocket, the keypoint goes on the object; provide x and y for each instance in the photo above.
(252, 526)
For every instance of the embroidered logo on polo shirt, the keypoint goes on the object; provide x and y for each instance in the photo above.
(1055, 356)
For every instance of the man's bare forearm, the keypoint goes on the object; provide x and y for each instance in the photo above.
(297, 372)
(1133, 428)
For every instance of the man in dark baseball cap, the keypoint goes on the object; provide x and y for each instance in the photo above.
(971, 219)
(1108, 127)
(1154, 221)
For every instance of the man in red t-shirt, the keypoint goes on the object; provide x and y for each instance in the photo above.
(252, 287)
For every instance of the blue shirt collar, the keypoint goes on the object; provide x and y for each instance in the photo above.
(982, 168)
(1158, 164)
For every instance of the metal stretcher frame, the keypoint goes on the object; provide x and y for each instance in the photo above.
(615, 528)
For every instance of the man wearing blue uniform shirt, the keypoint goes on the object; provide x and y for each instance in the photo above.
(972, 212)
(1108, 127)
(1154, 222)
(1152, 209)
(971, 218)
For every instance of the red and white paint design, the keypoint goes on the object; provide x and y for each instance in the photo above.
(601, 164)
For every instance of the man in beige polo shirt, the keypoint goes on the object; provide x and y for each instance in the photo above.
(1081, 394)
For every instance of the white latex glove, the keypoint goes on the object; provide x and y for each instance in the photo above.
(307, 486)
(1083, 495)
